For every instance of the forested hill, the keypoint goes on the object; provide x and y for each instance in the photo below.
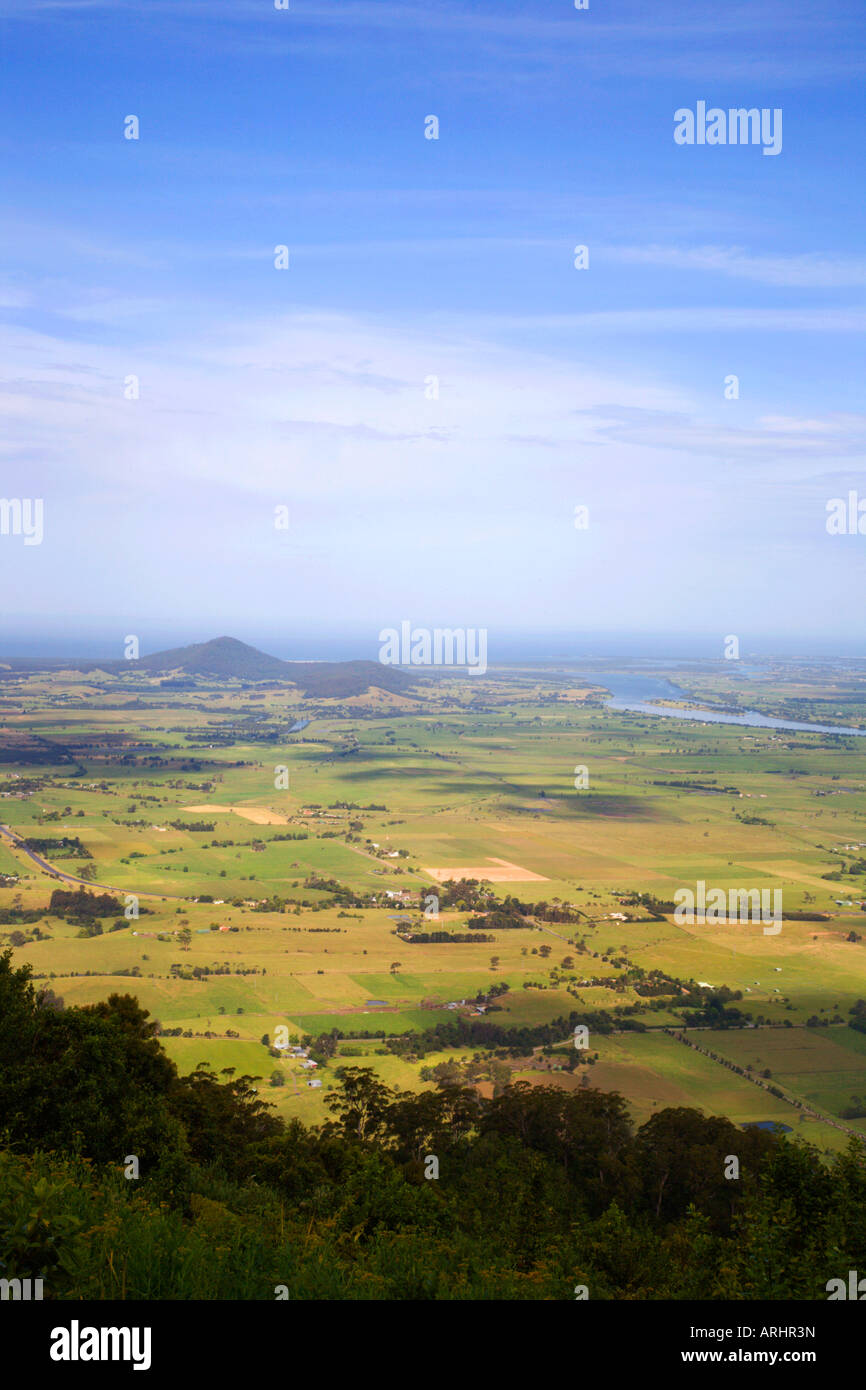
(443, 1195)
(227, 657)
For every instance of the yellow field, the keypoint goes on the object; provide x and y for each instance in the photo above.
(501, 872)
(253, 813)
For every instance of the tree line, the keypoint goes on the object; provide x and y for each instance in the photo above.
(531, 1193)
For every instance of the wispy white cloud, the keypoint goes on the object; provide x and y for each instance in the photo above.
(782, 444)
(395, 498)
(813, 270)
(697, 319)
(737, 41)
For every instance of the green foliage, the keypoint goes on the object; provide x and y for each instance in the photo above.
(538, 1189)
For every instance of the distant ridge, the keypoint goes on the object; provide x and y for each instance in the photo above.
(228, 658)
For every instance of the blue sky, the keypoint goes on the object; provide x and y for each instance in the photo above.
(412, 258)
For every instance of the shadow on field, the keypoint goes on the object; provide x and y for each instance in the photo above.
(437, 780)
(589, 805)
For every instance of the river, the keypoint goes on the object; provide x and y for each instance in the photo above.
(638, 692)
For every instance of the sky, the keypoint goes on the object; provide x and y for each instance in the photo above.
(431, 387)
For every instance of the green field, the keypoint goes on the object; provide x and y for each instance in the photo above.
(384, 796)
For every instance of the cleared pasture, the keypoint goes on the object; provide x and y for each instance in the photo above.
(488, 787)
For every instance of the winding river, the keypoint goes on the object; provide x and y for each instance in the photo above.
(637, 693)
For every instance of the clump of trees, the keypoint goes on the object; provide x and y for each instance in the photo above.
(80, 905)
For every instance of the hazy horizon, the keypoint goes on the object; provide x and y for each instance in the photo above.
(504, 647)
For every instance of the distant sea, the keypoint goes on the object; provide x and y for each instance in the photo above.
(301, 643)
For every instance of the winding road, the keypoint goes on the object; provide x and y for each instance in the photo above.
(16, 842)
